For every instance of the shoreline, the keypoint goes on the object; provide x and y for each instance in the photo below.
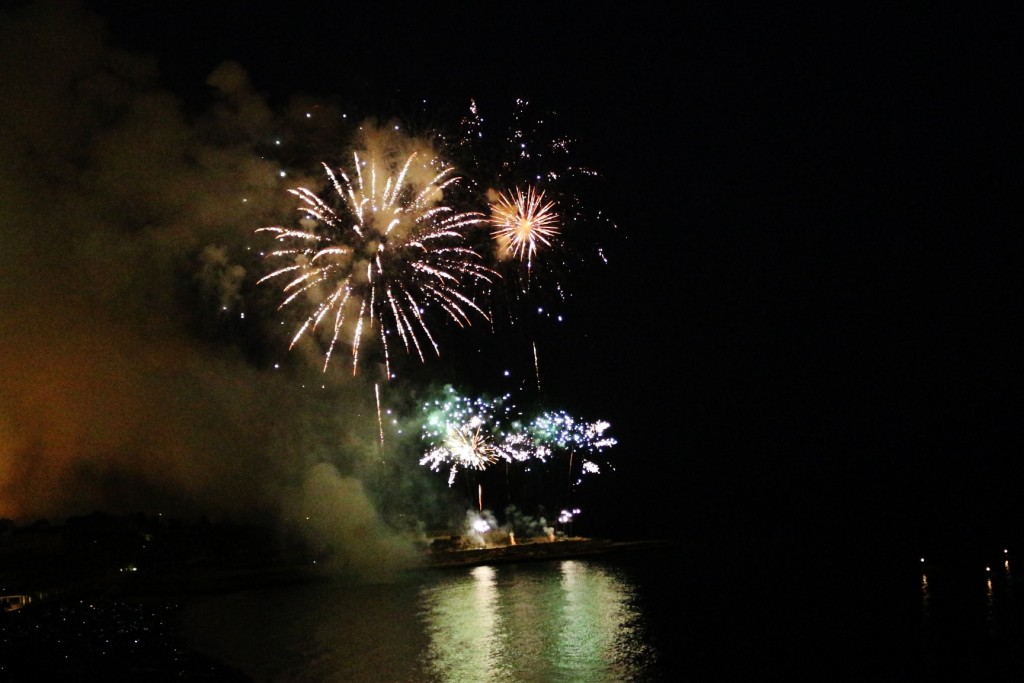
(532, 551)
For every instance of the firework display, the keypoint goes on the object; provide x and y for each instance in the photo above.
(463, 432)
(380, 258)
(535, 189)
(395, 241)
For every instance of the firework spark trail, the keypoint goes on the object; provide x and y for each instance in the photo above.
(536, 365)
(380, 421)
(391, 252)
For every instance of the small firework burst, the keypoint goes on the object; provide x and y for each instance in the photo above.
(472, 448)
(467, 447)
(523, 223)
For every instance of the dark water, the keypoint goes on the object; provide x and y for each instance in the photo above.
(685, 613)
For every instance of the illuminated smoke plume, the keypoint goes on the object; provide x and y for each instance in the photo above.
(137, 361)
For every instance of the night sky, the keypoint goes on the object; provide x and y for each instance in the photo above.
(807, 320)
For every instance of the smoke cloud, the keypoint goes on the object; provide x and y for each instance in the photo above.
(129, 376)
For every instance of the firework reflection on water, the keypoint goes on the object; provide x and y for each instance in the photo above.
(551, 621)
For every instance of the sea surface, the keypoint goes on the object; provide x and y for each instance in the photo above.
(686, 612)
